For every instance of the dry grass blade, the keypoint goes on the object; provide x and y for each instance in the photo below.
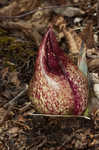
(63, 116)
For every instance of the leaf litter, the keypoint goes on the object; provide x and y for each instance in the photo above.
(20, 37)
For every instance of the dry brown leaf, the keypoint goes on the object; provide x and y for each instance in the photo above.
(2, 112)
(69, 11)
(4, 72)
(37, 21)
(26, 27)
(6, 94)
(13, 130)
(59, 2)
(94, 77)
(21, 119)
(29, 112)
(14, 78)
(8, 9)
(17, 7)
(93, 64)
(92, 53)
(93, 104)
(87, 35)
(73, 40)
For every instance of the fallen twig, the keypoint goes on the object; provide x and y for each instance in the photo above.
(67, 116)
(10, 103)
(31, 12)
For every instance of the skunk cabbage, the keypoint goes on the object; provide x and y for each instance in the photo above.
(57, 86)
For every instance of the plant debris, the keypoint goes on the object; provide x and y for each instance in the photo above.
(23, 24)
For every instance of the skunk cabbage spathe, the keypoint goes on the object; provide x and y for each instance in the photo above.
(57, 86)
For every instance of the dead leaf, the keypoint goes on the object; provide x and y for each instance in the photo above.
(8, 9)
(21, 119)
(73, 39)
(6, 94)
(60, 2)
(94, 77)
(2, 112)
(17, 7)
(93, 105)
(13, 130)
(14, 78)
(93, 53)
(93, 64)
(69, 11)
(4, 72)
(87, 35)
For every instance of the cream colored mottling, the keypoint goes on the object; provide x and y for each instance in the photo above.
(59, 94)
(55, 91)
(49, 80)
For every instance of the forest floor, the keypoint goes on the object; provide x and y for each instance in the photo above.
(23, 24)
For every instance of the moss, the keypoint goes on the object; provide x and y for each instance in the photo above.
(15, 50)
(5, 40)
(2, 32)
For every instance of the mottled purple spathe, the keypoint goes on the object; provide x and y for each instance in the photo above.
(58, 86)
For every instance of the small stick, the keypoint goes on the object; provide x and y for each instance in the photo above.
(31, 12)
(65, 116)
(12, 102)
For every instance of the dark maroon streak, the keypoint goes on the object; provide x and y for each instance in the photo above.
(77, 98)
(54, 63)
